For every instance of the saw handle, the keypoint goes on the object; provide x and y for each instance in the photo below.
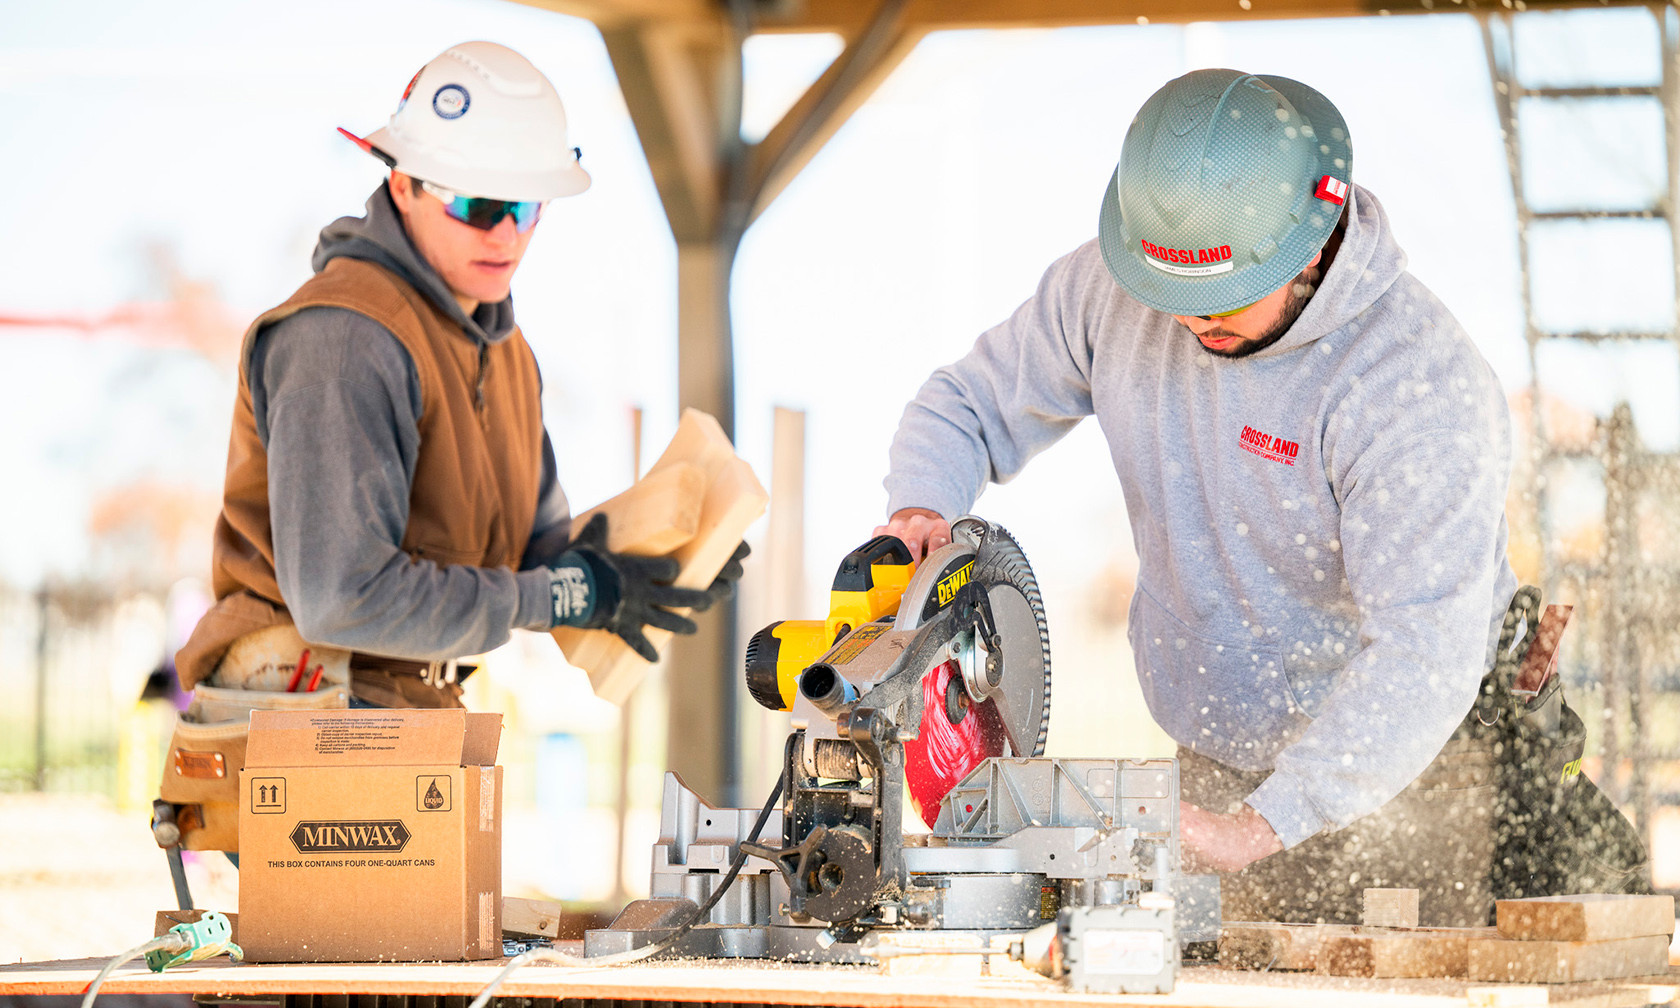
(856, 572)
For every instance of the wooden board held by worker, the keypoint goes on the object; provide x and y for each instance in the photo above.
(694, 504)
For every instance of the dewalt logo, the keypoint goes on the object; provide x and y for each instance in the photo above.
(342, 837)
(947, 588)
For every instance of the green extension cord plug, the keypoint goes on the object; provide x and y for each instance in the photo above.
(205, 938)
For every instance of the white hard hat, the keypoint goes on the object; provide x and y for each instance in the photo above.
(481, 120)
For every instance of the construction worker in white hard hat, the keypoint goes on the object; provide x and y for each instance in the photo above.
(1314, 457)
(391, 502)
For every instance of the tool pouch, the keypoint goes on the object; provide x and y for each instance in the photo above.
(1557, 832)
(207, 749)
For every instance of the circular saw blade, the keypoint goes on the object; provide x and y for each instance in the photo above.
(1023, 694)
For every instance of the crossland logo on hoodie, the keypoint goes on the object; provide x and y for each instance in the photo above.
(1269, 446)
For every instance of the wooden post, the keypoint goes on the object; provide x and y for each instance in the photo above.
(702, 673)
(626, 714)
(781, 587)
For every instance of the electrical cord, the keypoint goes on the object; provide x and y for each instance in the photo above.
(550, 955)
(173, 942)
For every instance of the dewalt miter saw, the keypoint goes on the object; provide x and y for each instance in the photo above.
(951, 662)
(930, 681)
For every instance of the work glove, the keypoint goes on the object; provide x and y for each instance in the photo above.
(595, 588)
(723, 586)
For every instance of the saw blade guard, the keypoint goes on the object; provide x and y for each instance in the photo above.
(992, 698)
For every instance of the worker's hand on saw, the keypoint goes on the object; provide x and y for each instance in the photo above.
(921, 529)
(1224, 843)
(595, 587)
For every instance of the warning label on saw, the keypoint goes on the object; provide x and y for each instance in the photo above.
(853, 646)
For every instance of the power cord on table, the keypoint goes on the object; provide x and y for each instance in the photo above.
(204, 938)
(550, 955)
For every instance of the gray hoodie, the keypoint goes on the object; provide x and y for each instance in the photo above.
(337, 404)
(1320, 527)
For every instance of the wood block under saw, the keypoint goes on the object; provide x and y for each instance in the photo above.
(1390, 908)
(1424, 952)
(1509, 960)
(1267, 945)
(732, 501)
(1585, 917)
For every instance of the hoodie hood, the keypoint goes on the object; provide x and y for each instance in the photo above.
(381, 238)
(1366, 265)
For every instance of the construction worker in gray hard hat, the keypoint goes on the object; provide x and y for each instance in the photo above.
(1314, 458)
(391, 501)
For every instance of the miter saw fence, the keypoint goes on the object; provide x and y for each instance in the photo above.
(931, 680)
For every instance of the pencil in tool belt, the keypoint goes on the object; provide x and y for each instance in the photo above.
(297, 673)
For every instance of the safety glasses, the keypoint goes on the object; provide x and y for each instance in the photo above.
(1233, 311)
(484, 213)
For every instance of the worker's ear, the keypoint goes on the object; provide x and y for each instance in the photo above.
(402, 192)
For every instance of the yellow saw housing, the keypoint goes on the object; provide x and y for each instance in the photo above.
(868, 585)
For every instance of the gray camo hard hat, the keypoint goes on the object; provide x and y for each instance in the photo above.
(1228, 184)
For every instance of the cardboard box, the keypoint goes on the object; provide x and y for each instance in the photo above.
(369, 835)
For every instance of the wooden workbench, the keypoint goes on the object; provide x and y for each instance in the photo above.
(762, 983)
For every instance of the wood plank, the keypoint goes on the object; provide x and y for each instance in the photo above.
(658, 514)
(873, 51)
(1522, 961)
(1425, 952)
(1390, 908)
(1507, 997)
(1585, 917)
(660, 511)
(531, 918)
(685, 983)
(733, 500)
(1268, 945)
(844, 16)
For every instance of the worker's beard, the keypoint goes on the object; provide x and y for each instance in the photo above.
(1300, 292)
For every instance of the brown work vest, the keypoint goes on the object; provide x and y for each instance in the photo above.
(474, 494)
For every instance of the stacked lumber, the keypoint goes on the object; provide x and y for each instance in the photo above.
(1544, 940)
(1400, 952)
(1387, 943)
(694, 504)
(1565, 939)
(1347, 950)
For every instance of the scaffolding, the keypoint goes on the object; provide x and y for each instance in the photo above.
(1587, 103)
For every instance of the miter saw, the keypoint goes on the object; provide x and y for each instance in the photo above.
(928, 680)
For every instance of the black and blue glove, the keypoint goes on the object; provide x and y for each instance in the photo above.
(593, 587)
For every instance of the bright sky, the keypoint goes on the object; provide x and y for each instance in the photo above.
(206, 127)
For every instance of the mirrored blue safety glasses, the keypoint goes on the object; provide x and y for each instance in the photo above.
(484, 213)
